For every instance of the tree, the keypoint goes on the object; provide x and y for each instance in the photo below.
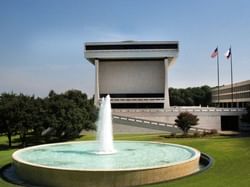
(39, 116)
(25, 116)
(185, 120)
(81, 101)
(8, 109)
(67, 114)
(58, 116)
(190, 96)
(16, 115)
(207, 99)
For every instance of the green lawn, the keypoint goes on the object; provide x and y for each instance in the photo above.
(231, 156)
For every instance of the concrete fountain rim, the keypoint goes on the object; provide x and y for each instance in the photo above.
(15, 157)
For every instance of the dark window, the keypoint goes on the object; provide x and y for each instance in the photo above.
(137, 105)
(131, 46)
(134, 95)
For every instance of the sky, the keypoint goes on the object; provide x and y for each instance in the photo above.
(42, 41)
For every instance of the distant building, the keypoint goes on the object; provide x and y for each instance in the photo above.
(133, 73)
(241, 95)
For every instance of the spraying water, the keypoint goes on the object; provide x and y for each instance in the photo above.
(104, 128)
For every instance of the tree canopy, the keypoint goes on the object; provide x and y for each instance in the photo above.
(53, 118)
(8, 111)
(190, 96)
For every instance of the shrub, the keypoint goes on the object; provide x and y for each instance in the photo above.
(185, 120)
(214, 131)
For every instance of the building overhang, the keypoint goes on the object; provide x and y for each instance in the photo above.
(131, 50)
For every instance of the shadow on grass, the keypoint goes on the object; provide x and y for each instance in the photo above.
(6, 147)
(32, 140)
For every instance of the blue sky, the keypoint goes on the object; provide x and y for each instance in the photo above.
(41, 41)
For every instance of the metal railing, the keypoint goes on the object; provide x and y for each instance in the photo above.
(185, 109)
(137, 100)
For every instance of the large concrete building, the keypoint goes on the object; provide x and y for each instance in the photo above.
(135, 74)
(240, 98)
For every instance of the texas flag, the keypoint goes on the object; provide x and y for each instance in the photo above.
(228, 53)
(214, 53)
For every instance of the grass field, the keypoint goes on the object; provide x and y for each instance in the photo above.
(231, 156)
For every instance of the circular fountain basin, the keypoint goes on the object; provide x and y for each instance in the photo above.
(77, 164)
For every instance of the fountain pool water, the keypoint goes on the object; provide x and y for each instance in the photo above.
(129, 155)
(104, 163)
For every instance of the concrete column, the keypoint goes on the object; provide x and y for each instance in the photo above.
(166, 94)
(97, 94)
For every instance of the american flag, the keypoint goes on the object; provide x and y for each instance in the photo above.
(214, 53)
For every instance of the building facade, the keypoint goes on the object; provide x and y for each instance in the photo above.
(134, 74)
(240, 96)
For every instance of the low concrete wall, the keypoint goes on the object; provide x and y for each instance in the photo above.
(65, 178)
(209, 118)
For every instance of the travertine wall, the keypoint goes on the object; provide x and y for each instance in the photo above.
(207, 120)
(131, 76)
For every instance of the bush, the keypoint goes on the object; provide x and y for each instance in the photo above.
(214, 131)
(185, 120)
(197, 134)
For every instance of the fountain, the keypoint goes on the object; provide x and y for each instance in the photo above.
(104, 163)
(104, 128)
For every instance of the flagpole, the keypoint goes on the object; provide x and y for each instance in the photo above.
(218, 76)
(216, 54)
(231, 61)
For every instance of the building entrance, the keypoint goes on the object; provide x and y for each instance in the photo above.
(229, 123)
